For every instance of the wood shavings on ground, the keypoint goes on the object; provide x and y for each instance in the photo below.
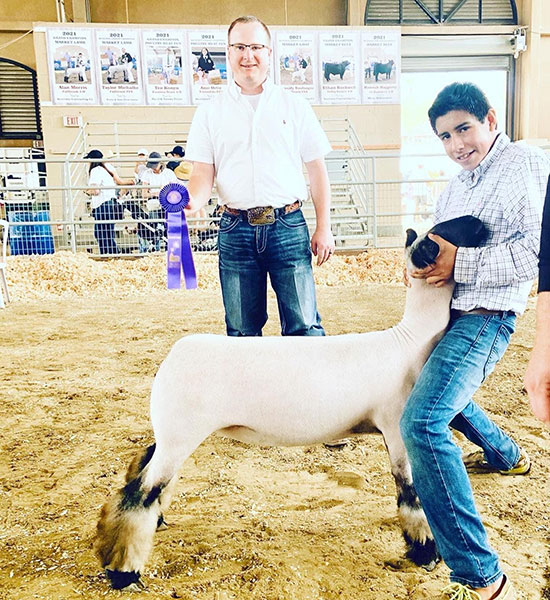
(65, 274)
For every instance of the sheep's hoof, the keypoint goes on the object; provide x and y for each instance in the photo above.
(337, 444)
(424, 554)
(419, 554)
(406, 565)
(400, 564)
(125, 580)
(162, 525)
(432, 565)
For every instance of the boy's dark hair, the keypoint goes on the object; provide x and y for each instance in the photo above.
(459, 96)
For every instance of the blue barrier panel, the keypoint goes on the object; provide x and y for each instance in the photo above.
(30, 239)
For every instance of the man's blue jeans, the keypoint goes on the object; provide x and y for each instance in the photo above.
(247, 253)
(442, 398)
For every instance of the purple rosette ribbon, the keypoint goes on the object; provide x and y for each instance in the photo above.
(174, 197)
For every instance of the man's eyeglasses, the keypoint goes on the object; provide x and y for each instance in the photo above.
(241, 48)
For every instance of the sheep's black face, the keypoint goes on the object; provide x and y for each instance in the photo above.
(422, 250)
(466, 231)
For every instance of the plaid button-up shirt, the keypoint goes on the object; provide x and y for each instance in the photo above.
(506, 191)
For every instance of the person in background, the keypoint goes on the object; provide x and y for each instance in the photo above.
(254, 138)
(132, 203)
(155, 177)
(140, 167)
(111, 56)
(205, 65)
(502, 184)
(81, 67)
(537, 376)
(104, 202)
(168, 65)
(181, 168)
(127, 61)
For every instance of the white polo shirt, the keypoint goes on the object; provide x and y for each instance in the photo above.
(257, 154)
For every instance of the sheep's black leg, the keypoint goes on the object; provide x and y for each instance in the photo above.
(421, 547)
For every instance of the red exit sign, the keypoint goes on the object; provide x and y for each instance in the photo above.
(72, 120)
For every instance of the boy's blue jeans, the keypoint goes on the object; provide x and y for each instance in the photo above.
(247, 253)
(441, 399)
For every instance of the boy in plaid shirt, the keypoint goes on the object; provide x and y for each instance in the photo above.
(503, 184)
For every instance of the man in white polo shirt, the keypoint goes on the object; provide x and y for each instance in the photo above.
(253, 138)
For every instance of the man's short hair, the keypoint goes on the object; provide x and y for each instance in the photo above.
(459, 96)
(248, 19)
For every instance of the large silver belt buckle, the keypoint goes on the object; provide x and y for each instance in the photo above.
(261, 215)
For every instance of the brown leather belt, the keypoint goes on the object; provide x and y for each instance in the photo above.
(263, 215)
(455, 314)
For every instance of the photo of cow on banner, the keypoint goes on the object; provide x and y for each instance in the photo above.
(381, 66)
(339, 55)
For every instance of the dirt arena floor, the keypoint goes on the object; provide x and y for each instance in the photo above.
(81, 343)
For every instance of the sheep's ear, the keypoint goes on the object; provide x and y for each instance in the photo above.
(411, 236)
(467, 231)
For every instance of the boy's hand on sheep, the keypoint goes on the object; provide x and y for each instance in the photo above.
(442, 270)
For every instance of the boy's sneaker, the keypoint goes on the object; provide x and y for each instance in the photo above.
(457, 591)
(475, 462)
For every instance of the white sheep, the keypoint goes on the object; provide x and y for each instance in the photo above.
(284, 391)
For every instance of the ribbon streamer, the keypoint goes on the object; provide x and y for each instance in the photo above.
(174, 197)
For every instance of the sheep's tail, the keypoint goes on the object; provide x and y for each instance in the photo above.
(127, 525)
